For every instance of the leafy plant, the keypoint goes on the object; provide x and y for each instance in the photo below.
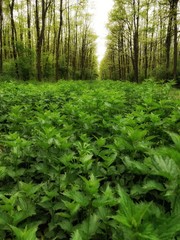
(89, 161)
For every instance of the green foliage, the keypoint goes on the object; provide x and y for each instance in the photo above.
(25, 62)
(26, 234)
(89, 161)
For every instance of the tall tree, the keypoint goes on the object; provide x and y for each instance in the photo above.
(169, 34)
(40, 21)
(135, 58)
(1, 37)
(146, 39)
(59, 38)
(14, 35)
(28, 4)
(148, 30)
(175, 39)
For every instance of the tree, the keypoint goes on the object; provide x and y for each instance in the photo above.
(135, 58)
(28, 2)
(14, 35)
(60, 39)
(142, 31)
(1, 39)
(169, 34)
(40, 29)
(175, 39)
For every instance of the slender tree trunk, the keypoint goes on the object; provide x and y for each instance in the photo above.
(169, 36)
(154, 55)
(146, 43)
(40, 34)
(69, 39)
(136, 40)
(175, 39)
(28, 3)
(123, 61)
(130, 45)
(83, 49)
(59, 39)
(1, 37)
(75, 47)
(54, 33)
(14, 36)
(119, 57)
(21, 24)
(50, 22)
(38, 44)
(161, 41)
(136, 57)
(113, 65)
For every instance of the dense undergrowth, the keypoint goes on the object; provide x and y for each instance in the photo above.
(89, 160)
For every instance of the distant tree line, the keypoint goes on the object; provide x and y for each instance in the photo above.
(47, 39)
(143, 41)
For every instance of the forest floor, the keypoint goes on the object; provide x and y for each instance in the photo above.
(89, 160)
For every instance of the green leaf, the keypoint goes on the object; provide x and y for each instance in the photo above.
(151, 185)
(101, 142)
(77, 196)
(135, 166)
(176, 139)
(168, 227)
(28, 188)
(90, 226)
(163, 166)
(3, 172)
(73, 207)
(76, 235)
(130, 214)
(66, 225)
(25, 209)
(25, 234)
(91, 185)
(5, 219)
(106, 199)
(109, 156)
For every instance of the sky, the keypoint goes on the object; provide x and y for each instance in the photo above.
(101, 9)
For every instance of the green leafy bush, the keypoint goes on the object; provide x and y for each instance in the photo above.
(82, 160)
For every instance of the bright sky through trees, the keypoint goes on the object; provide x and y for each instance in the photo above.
(101, 10)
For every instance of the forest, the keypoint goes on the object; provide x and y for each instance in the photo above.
(47, 39)
(143, 41)
(54, 40)
(97, 158)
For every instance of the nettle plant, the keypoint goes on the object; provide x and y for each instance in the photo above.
(83, 160)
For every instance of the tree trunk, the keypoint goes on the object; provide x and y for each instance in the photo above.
(29, 22)
(40, 34)
(83, 51)
(169, 37)
(136, 57)
(175, 39)
(161, 41)
(58, 39)
(38, 44)
(146, 43)
(1, 38)
(75, 46)
(14, 36)
(119, 57)
(136, 40)
(123, 60)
